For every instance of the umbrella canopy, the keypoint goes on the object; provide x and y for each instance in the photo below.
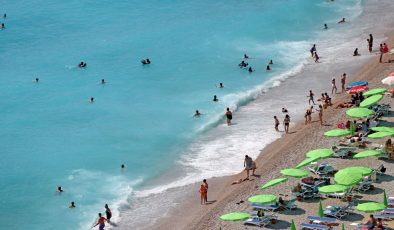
(262, 199)
(273, 182)
(385, 198)
(383, 129)
(337, 133)
(334, 188)
(297, 173)
(364, 171)
(357, 89)
(292, 227)
(320, 153)
(375, 91)
(380, 135)
(347, 179)
(235, 216)
(307, 161)
(367, 153)
(370, 101)
(388, 80)
(371, 207)
(320, 212)
(359, 112)
(357, 83)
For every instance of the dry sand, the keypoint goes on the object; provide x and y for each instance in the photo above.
(285, 153)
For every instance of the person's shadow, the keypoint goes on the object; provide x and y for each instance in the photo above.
(210, 201)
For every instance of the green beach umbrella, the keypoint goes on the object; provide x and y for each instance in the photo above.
(292, 227)
(370, 101)
(262, 199)
(364, 171)
(307, 161)
(375, 91)
(371, 207)
(273, 182)
(383, 129)
(320, 212)
(347, 179)
(385, 198)
(320, 153)
(337, 133)
(235, 216)
(380, 135)
(297, 173)
(334, 188)
(367, 153)
(359, 112)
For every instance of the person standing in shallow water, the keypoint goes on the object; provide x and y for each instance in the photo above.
(343, 82)
(276, 124)
(286, 123)
(205, 183)
(229, 116)
(100, 222)
(108, 213)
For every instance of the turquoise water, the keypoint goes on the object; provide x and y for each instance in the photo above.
(142, 117)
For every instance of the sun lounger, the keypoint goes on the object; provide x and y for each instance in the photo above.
(314, 226)
(322, 169)
(260, 221)
(291, 205)
(343, 152)
(271, 207)
(342, 195)
(364, 186)
(321, 220)
(385, 216)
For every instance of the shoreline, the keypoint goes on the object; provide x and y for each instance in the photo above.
(269, 161)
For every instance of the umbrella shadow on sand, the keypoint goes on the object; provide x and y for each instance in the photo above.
(354, 217)
(280, 224)
(375, 191)
(294, 212)
(385, 177)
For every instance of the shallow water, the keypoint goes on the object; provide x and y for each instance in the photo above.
(142, 117)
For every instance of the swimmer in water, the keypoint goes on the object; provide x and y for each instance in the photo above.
(102, 81)
(197, 114)
(342, 21)
(268, 68)
(4, 16)
(100, 222)
(145, 61)
(250, 69)
(246, 56)
(37, 80)
(91, 99)
(82, 64)
(271, 62)
(2, 26)
(72, 205)
(355, 53)
(221, 85)
(59, 189)
(325, 26)
(243, 64)
(284, 110)
(215, 99)
(122, 168)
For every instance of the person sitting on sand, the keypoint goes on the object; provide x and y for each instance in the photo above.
(371, 222)
(379, 224)
(344, 105)
(355, 53)
(322, 98)
(342, 21)
(327, 99)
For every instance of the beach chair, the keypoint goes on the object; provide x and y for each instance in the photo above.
(342, 195)
(291, 205)
(379, 170)
(322, 169)
(257, 221)
(267, 208)
(343, 152)
(322, 220)
(385, 216)
(314, 226)
(337, 211)
(388, 210)
(364, 186)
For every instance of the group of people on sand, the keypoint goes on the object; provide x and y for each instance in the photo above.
(286, 121)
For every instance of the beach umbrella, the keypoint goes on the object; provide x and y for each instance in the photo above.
(388, 80)
(297, 173)
(292, 227)
(364, 171)
(273, 182)
(320, 153)
(375, 91)
(307, 161)
(383, 129)
(337, 133)
(320, 212)
(343, 226)
(357, 89)
(334, 188)
(357, 83)
(371, 207)
(379, 135)
(347, 179)
(262, 199)
(370, 101)
(385, 198)
(359, 112)
(235, 216)
(367, 153)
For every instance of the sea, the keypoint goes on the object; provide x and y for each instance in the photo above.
(52, 135)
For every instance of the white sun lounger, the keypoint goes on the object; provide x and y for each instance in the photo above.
(321, 220)
(314, 226)
(385, 216)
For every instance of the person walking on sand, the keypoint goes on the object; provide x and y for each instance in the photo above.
(334, 86)
(343, 82)
(381, 52)
(311, 94)
(320, 111)
(203, 192)
(369, 45)
(204, 182)
(286, 123)
(108, 213)
(248, 164)
(100, 222)
(229, 116)
(276, 124)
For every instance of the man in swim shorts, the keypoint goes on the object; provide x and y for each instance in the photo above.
(100, 222)
(229, 116)
(248, 164)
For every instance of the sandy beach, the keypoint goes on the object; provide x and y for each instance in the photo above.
(287, 152)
